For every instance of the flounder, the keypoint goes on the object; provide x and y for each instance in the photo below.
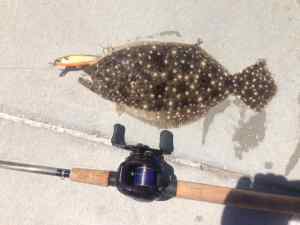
(169, 84)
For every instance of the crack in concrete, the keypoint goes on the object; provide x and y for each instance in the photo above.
(207, 167)
(203, 166)
(55, 128)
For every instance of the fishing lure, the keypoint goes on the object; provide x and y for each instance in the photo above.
(169, 84)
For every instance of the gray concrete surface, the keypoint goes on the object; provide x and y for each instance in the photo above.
(53, 120)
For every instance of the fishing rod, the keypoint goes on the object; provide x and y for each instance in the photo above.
(146, 176)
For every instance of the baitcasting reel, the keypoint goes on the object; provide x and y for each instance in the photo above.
(144, 175)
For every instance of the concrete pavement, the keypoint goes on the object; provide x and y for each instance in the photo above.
(66, 123)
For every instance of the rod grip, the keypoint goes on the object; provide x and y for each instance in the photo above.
(238, 197)
(88, 176)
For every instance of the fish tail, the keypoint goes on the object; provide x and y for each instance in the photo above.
(254, 85)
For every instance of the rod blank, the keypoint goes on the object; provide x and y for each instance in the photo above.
(45, 170)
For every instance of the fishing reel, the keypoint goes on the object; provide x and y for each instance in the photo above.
(144, 175)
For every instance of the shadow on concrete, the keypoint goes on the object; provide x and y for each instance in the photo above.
(209, 118)
(293, 160)
(295, 156)
(268, 183)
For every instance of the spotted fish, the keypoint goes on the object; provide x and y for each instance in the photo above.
(171, 84)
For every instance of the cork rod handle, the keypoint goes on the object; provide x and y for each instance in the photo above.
(238, 197)
(88, 176)
(209, 193)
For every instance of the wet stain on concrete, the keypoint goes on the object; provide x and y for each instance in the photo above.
(249, 133)
(268, 165)
(295, 156)
(160, 34)
(198, 219)
(209, 118)
(170, 32)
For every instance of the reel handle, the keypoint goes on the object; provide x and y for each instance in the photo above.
(238, 197)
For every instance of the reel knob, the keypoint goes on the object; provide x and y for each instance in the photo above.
(118, 137)
(166, 143)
